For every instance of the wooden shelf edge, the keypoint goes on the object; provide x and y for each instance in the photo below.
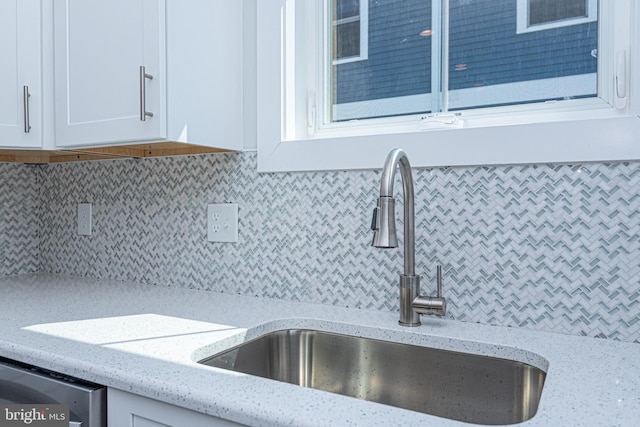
(160, 149)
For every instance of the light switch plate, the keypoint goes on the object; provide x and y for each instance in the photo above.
(222, 222)
(84, 219)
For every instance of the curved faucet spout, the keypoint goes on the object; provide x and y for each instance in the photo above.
(386, 234)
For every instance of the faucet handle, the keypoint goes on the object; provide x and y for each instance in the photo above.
(432, 305)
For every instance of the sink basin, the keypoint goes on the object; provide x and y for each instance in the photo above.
(458, 386)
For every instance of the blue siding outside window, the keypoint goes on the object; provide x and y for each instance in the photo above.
(485, 49)
(399, 61)
(483, 37)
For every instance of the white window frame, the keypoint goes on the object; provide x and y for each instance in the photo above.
(363, 17)
(523, 18)
(290, 137)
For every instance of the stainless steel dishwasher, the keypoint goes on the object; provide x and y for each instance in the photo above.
(25, 384)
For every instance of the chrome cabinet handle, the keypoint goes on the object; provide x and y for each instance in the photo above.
(143, 94)
(25, 100)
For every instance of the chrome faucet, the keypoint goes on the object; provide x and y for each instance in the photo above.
(384, 236)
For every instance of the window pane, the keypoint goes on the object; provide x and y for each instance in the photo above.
(543, 11)
(490, 64)
(345, 9)
(347, 40)
(395, 79)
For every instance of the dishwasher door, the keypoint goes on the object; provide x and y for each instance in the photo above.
(24, 384)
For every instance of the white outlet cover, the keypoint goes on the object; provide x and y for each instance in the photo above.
(84, 219)
(222, 222)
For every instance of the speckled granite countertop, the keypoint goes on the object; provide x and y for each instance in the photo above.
(144, 339)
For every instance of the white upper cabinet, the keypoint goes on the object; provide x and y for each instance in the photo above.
(131, 71)
(99, 49)
(21, 74)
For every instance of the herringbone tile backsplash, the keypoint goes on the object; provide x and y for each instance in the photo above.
(546, 247)
(19, 219)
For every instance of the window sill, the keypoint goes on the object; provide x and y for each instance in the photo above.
(573, 141)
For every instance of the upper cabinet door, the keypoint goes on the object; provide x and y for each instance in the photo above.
(110, 71)
(20, 74)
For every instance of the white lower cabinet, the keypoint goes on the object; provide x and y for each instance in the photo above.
(130, 410)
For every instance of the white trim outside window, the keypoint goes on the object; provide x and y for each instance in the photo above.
(290, 138)
(363, 17)
(523, 18)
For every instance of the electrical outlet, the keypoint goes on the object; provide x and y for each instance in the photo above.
(222, 222)
(84, 219)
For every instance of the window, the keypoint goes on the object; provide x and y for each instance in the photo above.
(395, 77)
(349, 21)
(477, 60)
(539, 15)
(453, 82)
(544, 11)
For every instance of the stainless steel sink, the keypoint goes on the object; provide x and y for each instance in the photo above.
(459, 386)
